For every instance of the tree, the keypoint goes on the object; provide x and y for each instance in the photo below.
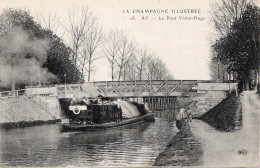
(156, 69)
(92, 40)
(56, 56)
(142, 58)
(111, 50)
(239, 50)
(130, 69)
(226, 12)
(49, 22)
(78, 25)
(58, 60)
(125, 52)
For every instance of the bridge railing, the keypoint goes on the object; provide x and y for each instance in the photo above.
(10, 94)
(138, 88)
(146, 87)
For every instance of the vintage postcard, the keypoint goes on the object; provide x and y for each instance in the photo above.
(129, 83)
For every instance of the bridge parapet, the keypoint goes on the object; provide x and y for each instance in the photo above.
(211, 94)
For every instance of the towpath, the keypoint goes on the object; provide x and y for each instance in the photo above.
(239, 148)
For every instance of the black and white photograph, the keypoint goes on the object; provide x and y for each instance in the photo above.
(129, 83)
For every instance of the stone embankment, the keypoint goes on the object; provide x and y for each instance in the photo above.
(22, 112)
(183, 150)
(226, 116)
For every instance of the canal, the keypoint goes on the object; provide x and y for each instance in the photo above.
(136, 145)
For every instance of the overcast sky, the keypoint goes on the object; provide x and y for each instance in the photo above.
(184, 45)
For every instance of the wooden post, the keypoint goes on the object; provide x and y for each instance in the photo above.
(181, 87)
(153, 102)
(106, 87)
(169, 103)
(159, 103)
(166, 94)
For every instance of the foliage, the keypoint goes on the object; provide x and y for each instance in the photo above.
(226, 12)
(58, 55)
(58, 60)
(239, 49)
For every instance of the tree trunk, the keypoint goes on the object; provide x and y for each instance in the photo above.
(124, 74)
(257, 80)
(247, 85)
(89, 71)
(112, 72)
(120, 71)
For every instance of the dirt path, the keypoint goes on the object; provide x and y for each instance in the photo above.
(239, 148)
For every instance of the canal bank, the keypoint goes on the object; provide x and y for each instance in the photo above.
(23, 112)
(236, 148)
(187, 148)
(183, 150)
(227, 115)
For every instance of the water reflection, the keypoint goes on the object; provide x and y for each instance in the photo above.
(135, 145)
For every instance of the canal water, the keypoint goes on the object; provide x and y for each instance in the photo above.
(136, 145)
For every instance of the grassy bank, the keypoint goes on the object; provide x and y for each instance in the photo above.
(183, 150)
(226, 116)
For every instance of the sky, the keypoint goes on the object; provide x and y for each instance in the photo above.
(184, 45)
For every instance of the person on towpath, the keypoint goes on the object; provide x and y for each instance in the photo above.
(189, 115)
(180, 118)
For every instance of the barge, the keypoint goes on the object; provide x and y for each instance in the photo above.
(89, 115)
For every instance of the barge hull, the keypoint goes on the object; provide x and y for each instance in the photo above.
(69, 127)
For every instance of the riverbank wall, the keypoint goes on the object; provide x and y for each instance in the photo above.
(226, 116)
(183, 150)
(22, 112)
(210, 95)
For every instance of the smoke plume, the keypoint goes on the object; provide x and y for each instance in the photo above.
(21, 58)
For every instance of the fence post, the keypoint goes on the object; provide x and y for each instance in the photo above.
(181, 88)
(106, 87)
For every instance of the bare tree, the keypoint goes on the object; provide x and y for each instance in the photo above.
(124, 54)
(79, 23)
(130, 69)
(150, 68)
(111, 50)
(92, 40)
(141, 60)
(49, 20)
(83, 61)
(156, 69)
(226, 12)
